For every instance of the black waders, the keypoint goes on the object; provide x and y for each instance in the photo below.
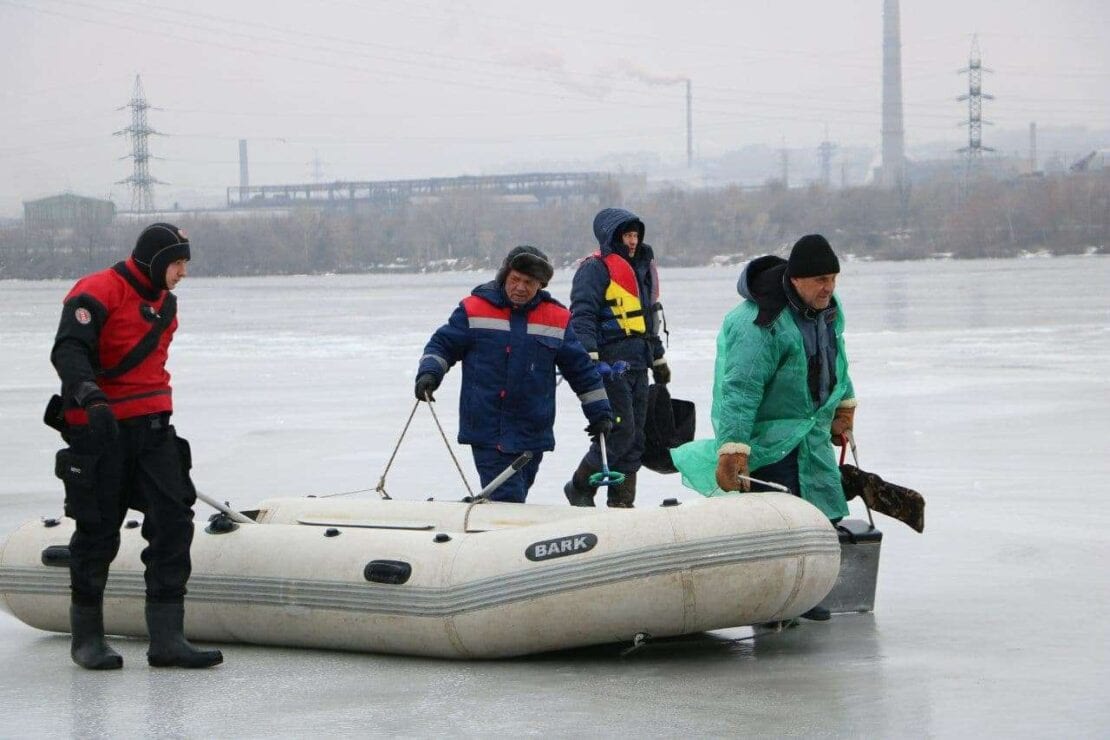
(168, 646)
(88, 648)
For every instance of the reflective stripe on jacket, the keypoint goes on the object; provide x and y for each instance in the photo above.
(509, 356)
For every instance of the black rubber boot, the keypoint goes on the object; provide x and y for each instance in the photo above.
(623, 495)
(88, 648)
(578, 490)
(168, 646)
(818, 614)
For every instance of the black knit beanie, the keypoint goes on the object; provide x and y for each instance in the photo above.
(812, 256)
(528, 260)
(157, 248)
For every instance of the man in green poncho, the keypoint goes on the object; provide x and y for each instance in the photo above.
(781, 390)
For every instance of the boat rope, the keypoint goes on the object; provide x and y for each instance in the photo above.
(344, 493)
(449, 450)
(380, 488)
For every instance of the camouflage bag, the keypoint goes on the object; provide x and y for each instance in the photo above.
(899, 502)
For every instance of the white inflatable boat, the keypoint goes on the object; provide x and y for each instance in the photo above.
(458, 580)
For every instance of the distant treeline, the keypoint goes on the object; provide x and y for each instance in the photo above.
(1061, 215)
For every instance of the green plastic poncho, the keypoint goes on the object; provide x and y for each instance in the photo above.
(761, 398)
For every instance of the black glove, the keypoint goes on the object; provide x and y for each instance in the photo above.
(661, 373)
(102, 423)
(601, 426)
(425, 384)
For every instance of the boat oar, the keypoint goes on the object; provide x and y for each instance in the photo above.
(504, 475)
(235, 516)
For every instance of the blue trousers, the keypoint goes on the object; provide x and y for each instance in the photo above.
(490, 461)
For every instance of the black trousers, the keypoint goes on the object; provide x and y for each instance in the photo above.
(785, 473)
(145, 469)
(624, 446)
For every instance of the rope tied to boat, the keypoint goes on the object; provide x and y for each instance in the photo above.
(448, 445)
(380, 488)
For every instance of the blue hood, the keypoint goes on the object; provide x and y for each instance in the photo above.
(609, 224)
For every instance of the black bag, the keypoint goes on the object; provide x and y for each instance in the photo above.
(670, 422)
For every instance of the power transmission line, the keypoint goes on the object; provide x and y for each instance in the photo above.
(975, 97)
(141, 181)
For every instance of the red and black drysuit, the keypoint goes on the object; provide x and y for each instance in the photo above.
(112, 345)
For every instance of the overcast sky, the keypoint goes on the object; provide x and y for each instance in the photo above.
(376, 89)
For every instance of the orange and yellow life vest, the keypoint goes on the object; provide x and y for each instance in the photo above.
(622, 295)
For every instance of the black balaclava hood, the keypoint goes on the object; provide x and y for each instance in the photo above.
(157, 248)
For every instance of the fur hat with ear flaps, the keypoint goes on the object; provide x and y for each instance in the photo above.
(528, 260)
(159, 246)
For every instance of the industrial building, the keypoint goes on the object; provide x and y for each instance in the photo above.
(529, 188)
(67, 211)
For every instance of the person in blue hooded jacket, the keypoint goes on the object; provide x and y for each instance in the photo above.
(510, 335)
(613, 303)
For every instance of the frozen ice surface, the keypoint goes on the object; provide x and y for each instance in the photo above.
(981, 384)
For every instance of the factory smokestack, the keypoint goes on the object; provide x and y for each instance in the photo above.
(1032, 147)
(689, 124)
(244, 173)
(894, 144)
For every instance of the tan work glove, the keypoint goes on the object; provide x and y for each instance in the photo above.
(842, 422)
(732, 462)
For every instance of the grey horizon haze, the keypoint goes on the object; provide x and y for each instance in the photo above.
(346, 90)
